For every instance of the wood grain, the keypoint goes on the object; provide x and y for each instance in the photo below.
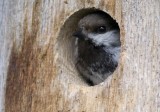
(37, 71)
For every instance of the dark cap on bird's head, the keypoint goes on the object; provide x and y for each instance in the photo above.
(95, 23)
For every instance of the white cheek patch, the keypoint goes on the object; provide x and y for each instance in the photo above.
(115, 53)
(106, 39)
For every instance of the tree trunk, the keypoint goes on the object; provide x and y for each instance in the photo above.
(37, 72)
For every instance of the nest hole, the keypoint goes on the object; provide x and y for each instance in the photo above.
(66, 48)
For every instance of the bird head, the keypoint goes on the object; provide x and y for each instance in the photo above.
(100, 29)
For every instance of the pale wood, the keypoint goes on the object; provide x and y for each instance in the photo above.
(37, 71)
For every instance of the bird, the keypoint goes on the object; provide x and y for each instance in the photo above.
(97, 47)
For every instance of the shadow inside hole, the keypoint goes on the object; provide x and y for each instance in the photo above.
(66, 48)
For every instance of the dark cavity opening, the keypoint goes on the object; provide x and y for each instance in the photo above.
(88, 47)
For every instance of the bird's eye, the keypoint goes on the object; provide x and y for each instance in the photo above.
(101, 29)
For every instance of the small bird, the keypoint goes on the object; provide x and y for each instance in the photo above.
(97, 47)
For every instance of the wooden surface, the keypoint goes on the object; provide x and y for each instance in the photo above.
(37, 71)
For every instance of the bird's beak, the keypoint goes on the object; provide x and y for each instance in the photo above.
(78, 34)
